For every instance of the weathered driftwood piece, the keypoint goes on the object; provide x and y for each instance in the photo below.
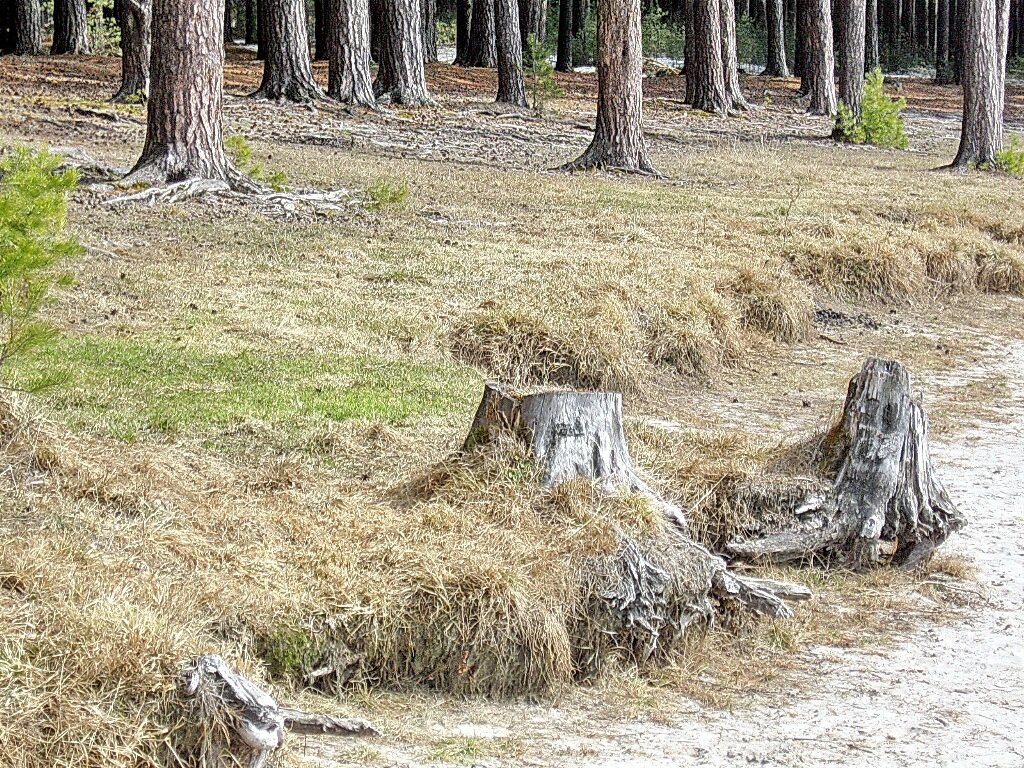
(580, 434)
(885, 506)
(243, 723)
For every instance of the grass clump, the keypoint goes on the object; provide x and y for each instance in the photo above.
(242, 154)
(384, 193)
(880, 122)
(33, 242)
(1001, 271)
(773, 302)
(1011, 158)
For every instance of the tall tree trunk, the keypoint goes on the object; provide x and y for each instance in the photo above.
(730, 60)
(70, 28)
(942, 63)
(533, 20)
(708, 81)
(983, 28)
(872, 55)
(429, 27)
(401, 78)
(462, 9)
(250, 22)
(482, 49)
(563, 58)
(819, 74)
(800, 42)
(321, 30)
(28, 28)
(184, 134)
(261, 29)
(775, 39)
(229, 29)
(348, 73)
(511, 87)
(287, 70)
(851, 29)
(134, 17)
(619, 141)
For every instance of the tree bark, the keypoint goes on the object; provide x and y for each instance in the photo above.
(800, 42)
(983, 28)
(730, 61)
(261, 29)
(348, 74)
(563, 58)
(618, 142)
(942, 61)
(885, 505)
(851, 29)
(776, 40)
(229, 30)
(251, 35)
(704, 75)
(819, 75)
(482, 50)
(70, 28)
(511, 86)
(135, 17)
(287, 70)
(28, 28)
(401, 78)
(872, 55)
(184, 134)
(462, 9)
(429, 27)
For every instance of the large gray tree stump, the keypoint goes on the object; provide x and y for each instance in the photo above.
(885, 506)
(574, 434)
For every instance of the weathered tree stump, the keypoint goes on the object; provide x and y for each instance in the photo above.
(240, 723)
(650, 595)
(885, 506)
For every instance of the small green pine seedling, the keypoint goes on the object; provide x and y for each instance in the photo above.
(387, 194)
(241, 153)
(1011, 159)
(33, 242)
(541, 75)
(881, 121)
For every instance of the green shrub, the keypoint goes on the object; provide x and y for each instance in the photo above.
(383, 194)
(751, 41)
(540, 75)
(881, 121)
(104, 33)
(661, 37)
(1011, 159)
(33, 241)
(241, 153)
(446, 33)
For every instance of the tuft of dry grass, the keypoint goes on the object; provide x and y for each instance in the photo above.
(1001, 272)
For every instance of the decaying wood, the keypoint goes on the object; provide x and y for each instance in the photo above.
(574, 434)
(885, 505)
(241, 722)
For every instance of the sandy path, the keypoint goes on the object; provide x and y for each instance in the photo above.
(946, 695)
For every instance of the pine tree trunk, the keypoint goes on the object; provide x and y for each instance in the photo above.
(872, 56)
(730, 61)
(401, 78)
(287, 70)
(708, 81)
(251, 36)
(942, 63)
(348, 74)
(70, 29)
(184, 134)
(563, 58)
(511, 87)
(776, 40)
(482, 48)
(28, 28)
(429, 27)
(983, 31)
(229, 30)
(462, 9)
(851, 29)
(136, 41)
(321, 30)
(800, 42)
(261, 29)
(819, 62)
(619, 142)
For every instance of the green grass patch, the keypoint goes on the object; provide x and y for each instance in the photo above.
(126, 387)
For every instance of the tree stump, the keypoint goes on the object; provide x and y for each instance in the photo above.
(885, 506)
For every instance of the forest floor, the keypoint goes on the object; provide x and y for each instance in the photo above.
(309, 358)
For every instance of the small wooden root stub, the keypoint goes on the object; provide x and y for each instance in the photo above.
(885, 507)
(240, 723)
(573, 434)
